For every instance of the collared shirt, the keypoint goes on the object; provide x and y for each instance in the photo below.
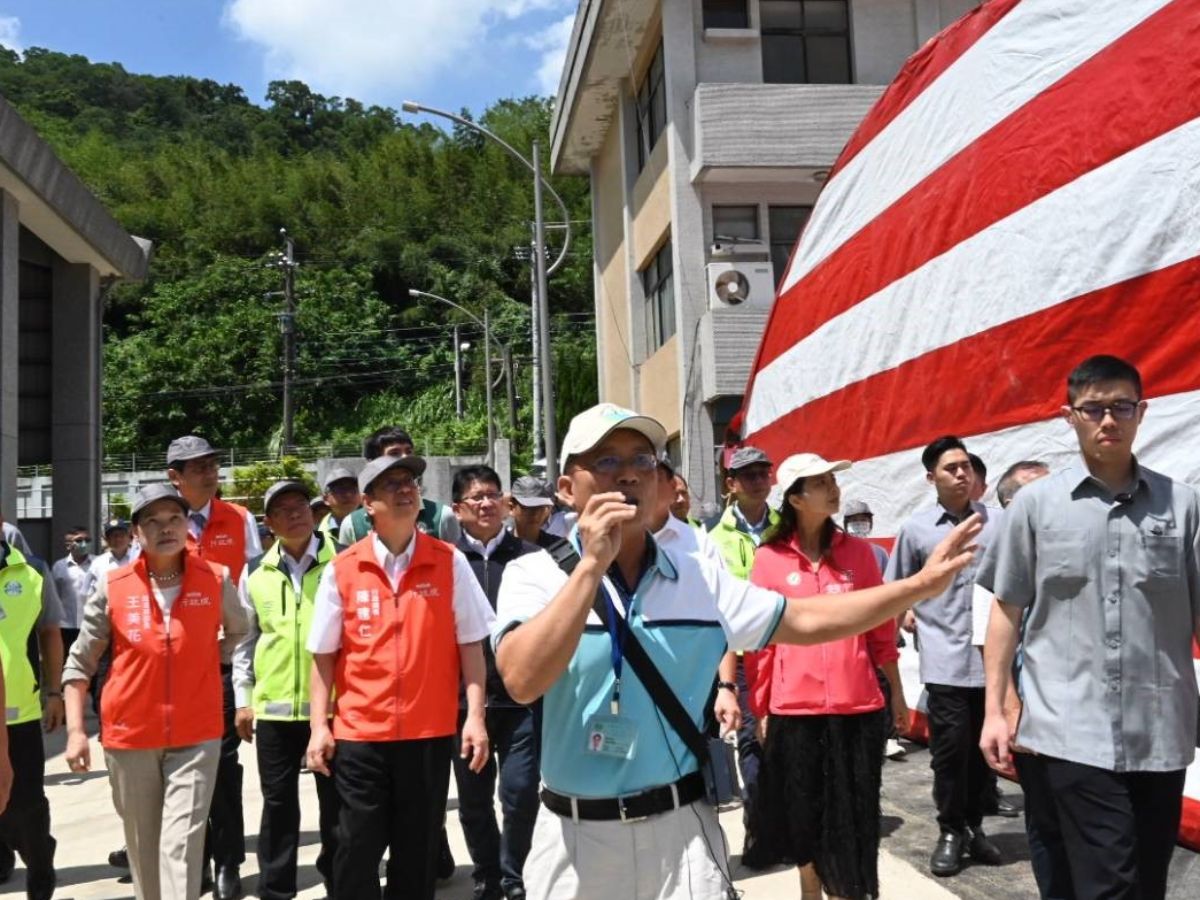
(1112, 588)
(253, 542)
(483, 549)
(685, 614)
(71, 581)
(943, 622)
(296, 568)
(679, 537)
(103, 563)
(473, 616)
(754, 529)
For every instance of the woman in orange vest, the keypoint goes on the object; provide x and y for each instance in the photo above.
(162, 615)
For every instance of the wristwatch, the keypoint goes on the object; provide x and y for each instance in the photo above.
(727, 685)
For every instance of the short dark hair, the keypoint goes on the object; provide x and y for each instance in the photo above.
(76, 529)
(464, 477)
(1099, 368)
(978, 466)
(931, 454)
(1008, 487)
(382, 438)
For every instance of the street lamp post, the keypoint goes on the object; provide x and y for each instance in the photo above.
(485, 323)
(541, 352)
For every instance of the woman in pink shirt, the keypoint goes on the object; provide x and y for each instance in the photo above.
(821, 705)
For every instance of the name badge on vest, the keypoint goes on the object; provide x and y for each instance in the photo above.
(3, 614)
(614, 736)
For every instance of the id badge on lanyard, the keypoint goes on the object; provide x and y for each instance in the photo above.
(613, 735)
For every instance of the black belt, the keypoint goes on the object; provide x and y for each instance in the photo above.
(631, 807)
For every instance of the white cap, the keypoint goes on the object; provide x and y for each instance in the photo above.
(805, 465)
(593, 425)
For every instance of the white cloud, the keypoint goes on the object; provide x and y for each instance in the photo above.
(552, 43)
(10, 33)
(365, 48)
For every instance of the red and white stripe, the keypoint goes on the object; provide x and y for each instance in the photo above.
(1025, 194)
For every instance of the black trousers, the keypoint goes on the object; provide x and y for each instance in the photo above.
(225, 842)
(25, 824)
(750, 754)
(280, 747)
(393, 796)
(1101, 835)
(961, 777)
(499, 854)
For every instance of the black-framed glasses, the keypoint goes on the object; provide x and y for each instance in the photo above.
(610, 465)
(480, 499)
(1121, 410)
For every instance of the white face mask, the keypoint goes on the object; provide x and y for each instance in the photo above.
(858, 528)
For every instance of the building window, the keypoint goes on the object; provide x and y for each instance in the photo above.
(805, 41)
(726, 14)
(658, 285)
(786, 223)
(651, 107)
(734, 223)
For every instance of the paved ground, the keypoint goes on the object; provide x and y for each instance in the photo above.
(87, 829)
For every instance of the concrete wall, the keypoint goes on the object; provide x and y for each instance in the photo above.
(659, 376)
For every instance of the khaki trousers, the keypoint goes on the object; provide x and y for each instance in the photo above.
(163, 797)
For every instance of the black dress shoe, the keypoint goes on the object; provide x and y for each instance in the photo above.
(229, 883)
(487, 890)
(40, 885)
(119, 859)
(8, 861)
(947, 855)
(983, 849)
(206, 879)
(514, 893)
(999, 805)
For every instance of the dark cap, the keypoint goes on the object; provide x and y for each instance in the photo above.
(748, 456)
(286, 486)
(116, 525)
(381, 464)
(189, 446)
(337, 473)
(152, 493)
(531, 491)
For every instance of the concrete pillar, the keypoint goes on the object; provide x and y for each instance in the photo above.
(75, 397)
(10, 306)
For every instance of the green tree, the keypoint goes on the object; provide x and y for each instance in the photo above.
(250, 483)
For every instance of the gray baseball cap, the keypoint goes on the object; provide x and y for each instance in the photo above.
(748, 456)
(286, 486)
(152, 493)
(856, 508)
(381, 464)
(531, 491)
(189, 446)
(337, 473)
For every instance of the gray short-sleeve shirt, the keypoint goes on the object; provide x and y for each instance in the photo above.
(1112, 588)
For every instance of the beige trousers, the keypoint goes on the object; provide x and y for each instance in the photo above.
(162, 797)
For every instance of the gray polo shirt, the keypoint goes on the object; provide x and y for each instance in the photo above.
(943, 622)
(1112, 588)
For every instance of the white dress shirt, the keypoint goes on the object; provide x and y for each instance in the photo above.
(71, 579)
(253, 544)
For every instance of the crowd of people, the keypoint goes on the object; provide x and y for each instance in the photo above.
(580, 652)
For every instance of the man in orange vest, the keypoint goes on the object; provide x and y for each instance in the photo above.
(223, 533)
(398, 619)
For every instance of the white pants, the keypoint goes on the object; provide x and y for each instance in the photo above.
(679, 855)
(163, 797)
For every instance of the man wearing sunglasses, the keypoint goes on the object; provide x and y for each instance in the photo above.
(1102, 560)
(619, 781)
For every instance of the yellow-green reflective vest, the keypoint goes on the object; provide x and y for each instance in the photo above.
(282, 663)
(20, 607)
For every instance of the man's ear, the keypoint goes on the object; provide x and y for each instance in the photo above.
(929, 477)
(566, 491)
(1066, 412)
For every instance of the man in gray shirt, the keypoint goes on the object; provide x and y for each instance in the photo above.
(951, 667)
(1103, 556)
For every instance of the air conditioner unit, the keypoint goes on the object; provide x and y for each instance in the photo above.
(744, 285)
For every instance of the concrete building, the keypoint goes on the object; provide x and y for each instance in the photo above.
(707, 128)
(59, 250)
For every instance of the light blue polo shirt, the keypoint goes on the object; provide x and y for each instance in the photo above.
(686, 614)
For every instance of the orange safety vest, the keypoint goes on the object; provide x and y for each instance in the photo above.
(223, 540)
(397, 673)
(164, 688)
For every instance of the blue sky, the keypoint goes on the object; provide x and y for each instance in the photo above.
(445, 53)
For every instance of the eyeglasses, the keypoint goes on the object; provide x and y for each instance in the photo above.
(480, 499)
(753, 474)
(395, 485)
(1122, 410)
(611, 465)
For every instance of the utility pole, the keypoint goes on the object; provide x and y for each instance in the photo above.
(287, 327)
(535, 343)
(511, 389)
(550, 436)
(458, 398)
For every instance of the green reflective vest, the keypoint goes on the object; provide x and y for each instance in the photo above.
(20, 607)
(282, 663)
(736, 546)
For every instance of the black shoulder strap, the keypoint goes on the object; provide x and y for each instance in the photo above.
(652, 680)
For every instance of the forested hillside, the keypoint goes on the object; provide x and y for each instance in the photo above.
(376, 205)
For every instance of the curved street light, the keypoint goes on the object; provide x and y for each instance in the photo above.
(487, 353)
(550, 437)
